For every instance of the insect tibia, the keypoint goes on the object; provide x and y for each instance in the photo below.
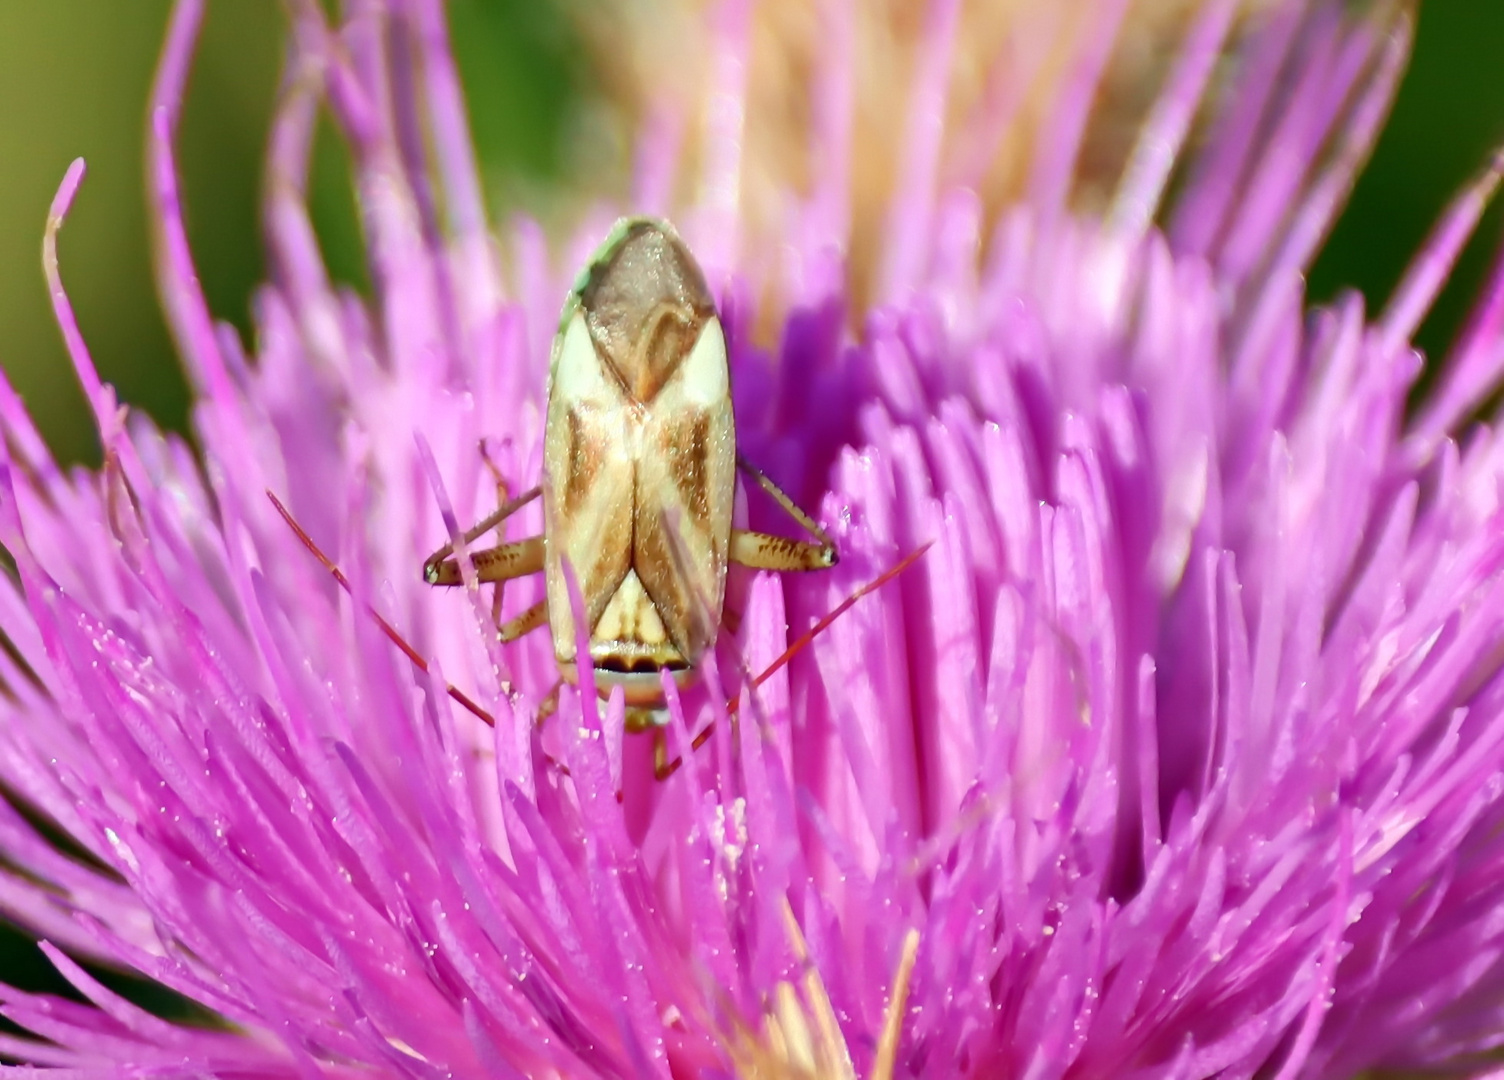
(765, 551)
(503, 562)
(526, 623)
(440, 568)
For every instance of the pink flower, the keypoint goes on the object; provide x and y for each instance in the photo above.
(1179, 753)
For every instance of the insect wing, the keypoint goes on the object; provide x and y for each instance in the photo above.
(640, 455)
(686, 486)
(588, 462)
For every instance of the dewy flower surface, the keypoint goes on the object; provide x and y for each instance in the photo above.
(1180, 751)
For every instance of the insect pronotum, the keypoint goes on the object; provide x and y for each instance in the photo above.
(639, 482)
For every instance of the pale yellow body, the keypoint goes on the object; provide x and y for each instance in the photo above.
(638, 497)
(640, 464)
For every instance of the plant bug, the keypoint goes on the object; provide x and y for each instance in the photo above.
(662, 768)
(640, 466)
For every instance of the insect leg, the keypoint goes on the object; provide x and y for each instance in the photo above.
(526, 623)
(496, 564)
(664, 769)
(489, 522)
(549, 705)
(764, 551)
(515, 559)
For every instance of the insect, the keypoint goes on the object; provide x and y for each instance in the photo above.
(640, 467)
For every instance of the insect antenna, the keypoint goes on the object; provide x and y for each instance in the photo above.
(387, 628)
(798, 645)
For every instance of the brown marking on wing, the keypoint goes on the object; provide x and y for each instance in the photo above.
(686, 617)
(687, 443)
(584, 463)
(644, 306)
(590, 503)
(631, 636)
(601, 575)
(666, 338)
(685, 487)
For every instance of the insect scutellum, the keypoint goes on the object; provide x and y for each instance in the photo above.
(639, 482)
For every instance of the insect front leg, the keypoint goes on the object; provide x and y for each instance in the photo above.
(549, 705)
(433, 564)
(500, 563)
(515, 559)
(764, 551)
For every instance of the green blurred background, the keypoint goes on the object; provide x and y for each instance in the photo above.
(74, 81)
(74, 76)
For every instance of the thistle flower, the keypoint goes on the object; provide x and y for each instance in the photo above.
(1179, 753)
